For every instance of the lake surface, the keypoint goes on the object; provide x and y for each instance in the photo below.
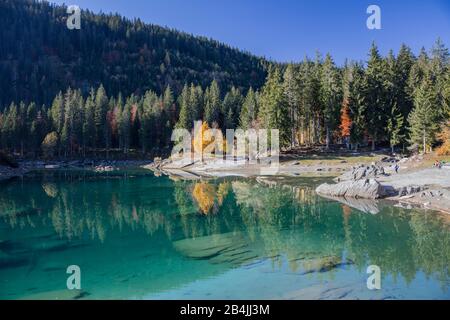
(137, 236)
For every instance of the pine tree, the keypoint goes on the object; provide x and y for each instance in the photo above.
(423, 119)
(212, 104)
(125, 126)
(292, 95)
(185, 120)
(395, 126)
(101, 108)
(249, 111)
(330, 96)
(274, 113)
(89, 124)
(196, 103)
(376, 96)
(231, 108)
(357, 104)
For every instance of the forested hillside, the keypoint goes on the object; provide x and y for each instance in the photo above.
(39, 55)
(134, 100)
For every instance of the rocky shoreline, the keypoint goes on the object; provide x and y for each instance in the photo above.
(426, 188)
(360, 185)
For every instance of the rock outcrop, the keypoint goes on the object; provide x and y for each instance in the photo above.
(362, 172)
(359, 182)
(365, 189)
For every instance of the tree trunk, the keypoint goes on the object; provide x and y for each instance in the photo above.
(373, 144)
(327, 139)
(424, 143)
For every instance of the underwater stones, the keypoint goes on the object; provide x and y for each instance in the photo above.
(8, 261)
(217, 249)
(323, 264)
(58, 295)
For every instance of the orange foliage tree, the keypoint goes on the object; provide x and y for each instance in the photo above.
(444, 136)
(346, 121)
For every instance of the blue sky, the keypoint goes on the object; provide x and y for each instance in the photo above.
(288, 30)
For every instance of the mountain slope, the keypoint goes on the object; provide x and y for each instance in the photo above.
(39, 55)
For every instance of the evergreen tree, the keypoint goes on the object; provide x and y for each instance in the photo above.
(357, 104)
(231, 108)
(249, 111)
(292, 95)
(330, 96)
(423, 118)
(89, 123)
(101, 108)
(125, 126)
(185, 120)
(274, 113)
(212, 104)
(376, 96)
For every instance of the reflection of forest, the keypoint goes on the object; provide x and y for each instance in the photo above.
(274, 221)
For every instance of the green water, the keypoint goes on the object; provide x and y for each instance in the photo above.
(136, 236)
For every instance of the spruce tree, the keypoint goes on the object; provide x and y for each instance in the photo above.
(88, 123)
(249, 110)
(422, 120)
(212, 104)
(185, 119)
(330, 96)
(101, 108)
(376, 96)
(292, 95)
(274, 113)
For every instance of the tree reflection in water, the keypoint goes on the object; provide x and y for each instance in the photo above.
(288, 221)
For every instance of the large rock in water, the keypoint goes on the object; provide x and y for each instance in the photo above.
(365, 189)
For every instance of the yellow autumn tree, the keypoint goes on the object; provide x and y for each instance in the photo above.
(222, 191)
(200, 140)
(204, 195)
(203, 138)
(444, 136)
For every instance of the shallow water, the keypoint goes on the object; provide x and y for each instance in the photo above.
(136, 236)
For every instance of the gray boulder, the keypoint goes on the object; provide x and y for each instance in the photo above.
(365, 189)
(408, 190)
(362, 172)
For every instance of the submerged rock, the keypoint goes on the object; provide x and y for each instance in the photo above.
(57, 295)
(324, 264)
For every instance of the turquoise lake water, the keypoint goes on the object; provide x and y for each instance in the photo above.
(137, 236)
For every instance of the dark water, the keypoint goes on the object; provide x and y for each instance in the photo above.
(136, 236)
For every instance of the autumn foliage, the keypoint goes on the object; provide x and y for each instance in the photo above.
(346, 121)
(203, 138)
(444, 136)
(204, 194)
